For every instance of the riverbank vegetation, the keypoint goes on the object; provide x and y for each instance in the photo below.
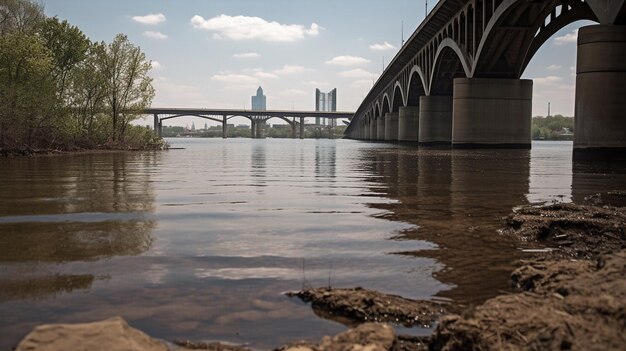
(556, 127)
(243, 131)
(61, 91)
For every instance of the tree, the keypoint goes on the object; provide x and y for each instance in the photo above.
(27, 94)
(19, 16)
(68, 46)
(128, 87)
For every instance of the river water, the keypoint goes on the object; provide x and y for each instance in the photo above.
(200, 243)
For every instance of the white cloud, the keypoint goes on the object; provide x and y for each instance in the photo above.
(155, 35)
(156, 65)
(316, 83)
(289, 69)
(265, 75)
(246, 55)
(554, 67)
(382, 47)
(245, 28)
(362, 83)
(235, 79)
(347, 60)
(150, 19)
(357, 73)
(568, 38)
(292, 92)
(549, 80)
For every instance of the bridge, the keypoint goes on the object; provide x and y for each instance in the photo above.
(258, 118)
(457, 79)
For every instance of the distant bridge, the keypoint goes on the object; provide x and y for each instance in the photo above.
(457, 79)
(258, 118)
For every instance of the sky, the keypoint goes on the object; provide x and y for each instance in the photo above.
(216, 53)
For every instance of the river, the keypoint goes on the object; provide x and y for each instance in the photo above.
(200, 243)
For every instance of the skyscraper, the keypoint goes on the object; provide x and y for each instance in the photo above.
(259, 100)
(326, 102)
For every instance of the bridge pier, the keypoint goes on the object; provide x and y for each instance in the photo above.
(492, 112)
(156, 124)
(224, 127)
(366, 129)
(294, 130)
(391, 126)
(160, 130)
(301, 127)
(600, 123)
(252, 129)
(373, 129)
(408, 123)
(435, 120)
(380, 128)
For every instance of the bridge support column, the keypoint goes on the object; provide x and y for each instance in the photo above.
(261, 129)
(294, 130)
(380, 128)
(253, 129)
(600, 123)
(301, 127)
(156, 125)
(435, 120)
(492, 112)
(366, 129)
(160, 130)
(391, 126)
(373, 129)
(224, 127)
(408, 123)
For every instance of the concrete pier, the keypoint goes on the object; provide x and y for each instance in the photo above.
(224, 127)
(408, 123)
(253, 129)
(380, 129)
(492, 112)
(391, 126)
(600, 123)
(435, 120)
(366, 129)
(373, 129)
(301, 127)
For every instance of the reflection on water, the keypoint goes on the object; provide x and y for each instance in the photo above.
(199, 243)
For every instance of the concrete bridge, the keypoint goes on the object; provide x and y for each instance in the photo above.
(457, 79)
(258, 118)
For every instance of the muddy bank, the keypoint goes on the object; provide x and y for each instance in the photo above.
(358, 305)
(569, 230)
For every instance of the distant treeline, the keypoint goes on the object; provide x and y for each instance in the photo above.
(59, 90)
(276, 131)
(553, 128)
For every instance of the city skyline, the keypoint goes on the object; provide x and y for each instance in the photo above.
(215, 54)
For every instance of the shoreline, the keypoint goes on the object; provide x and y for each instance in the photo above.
(570, 295)
(10, 153)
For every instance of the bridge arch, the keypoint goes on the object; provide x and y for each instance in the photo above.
(385, 106)
(191, 115)
(450, 62)
(493, 61)
(398, 98)
(416, 86)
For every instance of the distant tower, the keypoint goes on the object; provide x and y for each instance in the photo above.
(259, 100)
(193, 126)
(206, 127)
(326, 102)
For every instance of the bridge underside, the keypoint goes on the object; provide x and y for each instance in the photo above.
(458, 77)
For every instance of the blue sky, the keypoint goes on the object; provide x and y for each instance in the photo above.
(209, 53)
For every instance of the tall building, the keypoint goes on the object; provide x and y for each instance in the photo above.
(326, 102)
(259, 100)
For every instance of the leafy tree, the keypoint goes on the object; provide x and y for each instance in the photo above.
(128, 87)
(68, 46)
(27, 94)
(19, 16)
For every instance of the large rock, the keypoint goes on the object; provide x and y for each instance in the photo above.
(110, 335)
(365, 337)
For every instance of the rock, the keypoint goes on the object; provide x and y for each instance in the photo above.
(109, 335)
(354, 306)
(365, 337)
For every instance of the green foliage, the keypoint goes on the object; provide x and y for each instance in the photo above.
(553, 128)
(59, 90)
